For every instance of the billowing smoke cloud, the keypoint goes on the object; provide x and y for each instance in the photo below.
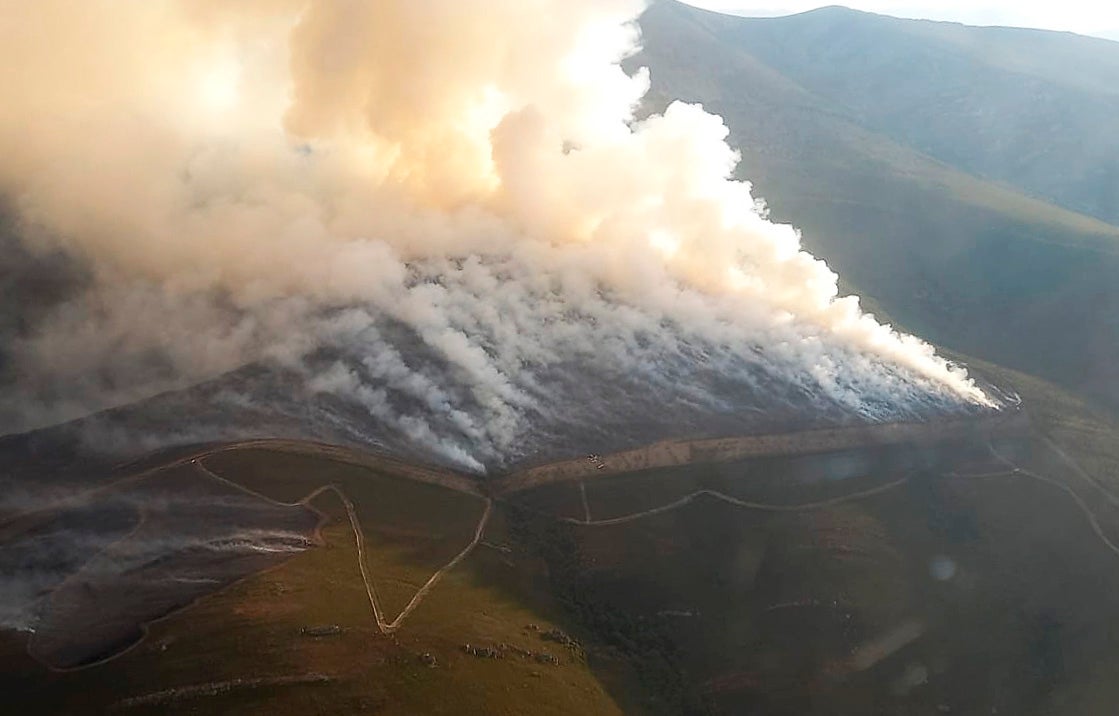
(443, 211)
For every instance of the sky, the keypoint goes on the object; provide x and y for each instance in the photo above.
(1087, 17)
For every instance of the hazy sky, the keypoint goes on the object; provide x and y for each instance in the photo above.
(1090, 17)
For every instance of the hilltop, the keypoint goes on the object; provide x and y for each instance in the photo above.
(962, 179)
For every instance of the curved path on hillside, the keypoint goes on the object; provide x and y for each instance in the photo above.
(804, 507)
(385, 626)
(1014, 470)
(667, 453)
(1080, 502)
(420, 473)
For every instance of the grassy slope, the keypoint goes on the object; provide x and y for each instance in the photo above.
(969, 264)
(423, 524)
(1032, 567)
(1034, 582)
(1026, 625)
(1088, 434)
(252, 630)
(1031, 108)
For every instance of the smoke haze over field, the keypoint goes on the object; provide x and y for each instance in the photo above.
(444, 211)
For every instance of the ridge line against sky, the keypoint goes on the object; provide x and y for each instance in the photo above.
(1086, 17)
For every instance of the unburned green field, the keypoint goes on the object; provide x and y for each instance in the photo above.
(970, 586)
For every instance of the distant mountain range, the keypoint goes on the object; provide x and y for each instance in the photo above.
(964, 179)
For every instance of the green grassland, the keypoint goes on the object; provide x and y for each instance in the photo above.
(840, 609)
(963, 584)
(242, 651)
(417, 523)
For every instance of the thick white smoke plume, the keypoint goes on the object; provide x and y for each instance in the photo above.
(458, 180)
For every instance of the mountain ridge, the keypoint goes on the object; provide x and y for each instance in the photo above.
(978, 265)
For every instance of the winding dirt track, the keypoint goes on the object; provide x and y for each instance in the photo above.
(385, 626)
(421, 473)
(1093, 522)
(586, 503)
(1014, 470)
(389, 627)
(662, 454)
(739, 503)
(196, 459)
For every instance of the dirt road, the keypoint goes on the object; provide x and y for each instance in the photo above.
(385, 626)
(421, 473)
(738, 503)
